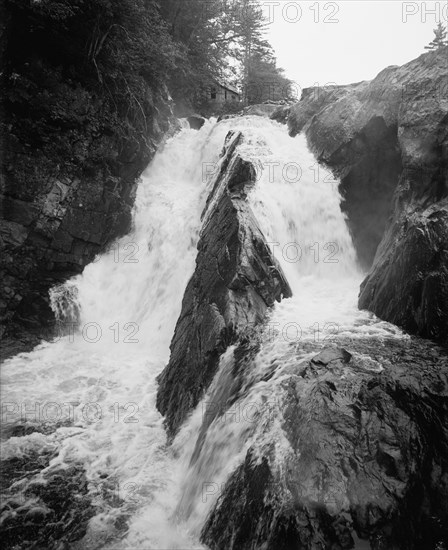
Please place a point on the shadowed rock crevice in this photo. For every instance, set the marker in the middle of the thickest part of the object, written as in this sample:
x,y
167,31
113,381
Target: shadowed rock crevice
x,y
235,281
369,167
368,188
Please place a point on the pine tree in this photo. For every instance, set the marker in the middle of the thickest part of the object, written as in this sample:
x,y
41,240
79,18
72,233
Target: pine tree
x,y
439,38
222,40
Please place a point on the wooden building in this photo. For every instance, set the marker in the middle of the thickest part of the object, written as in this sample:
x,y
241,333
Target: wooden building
x,y
219,93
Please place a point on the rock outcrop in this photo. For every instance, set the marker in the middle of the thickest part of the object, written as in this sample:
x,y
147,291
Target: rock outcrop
x,y
260,109
196,121
388,142
73,145
235,281
364,457
50,231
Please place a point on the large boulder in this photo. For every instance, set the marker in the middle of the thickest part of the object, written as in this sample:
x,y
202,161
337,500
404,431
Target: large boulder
x,y
260,109
353,455
196,121
235,281
388,142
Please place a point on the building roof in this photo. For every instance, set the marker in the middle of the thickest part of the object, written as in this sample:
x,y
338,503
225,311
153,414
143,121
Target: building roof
x,y
228,86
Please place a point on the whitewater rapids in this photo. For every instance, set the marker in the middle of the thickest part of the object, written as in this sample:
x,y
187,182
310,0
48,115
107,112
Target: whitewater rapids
x,y
97,384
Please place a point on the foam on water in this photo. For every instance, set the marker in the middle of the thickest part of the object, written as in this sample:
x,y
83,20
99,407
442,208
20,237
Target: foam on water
x,y
297,206
128,302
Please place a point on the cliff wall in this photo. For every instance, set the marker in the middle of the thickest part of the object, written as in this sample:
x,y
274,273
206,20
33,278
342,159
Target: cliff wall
x,y
388,142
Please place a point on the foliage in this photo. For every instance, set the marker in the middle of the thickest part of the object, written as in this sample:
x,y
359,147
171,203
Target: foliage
x,y
264,80
85,82
223,40
439,40
83,79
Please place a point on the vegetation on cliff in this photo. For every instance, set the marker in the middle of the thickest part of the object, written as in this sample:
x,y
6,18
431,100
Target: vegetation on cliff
x,y
224,40
85,105
87,100
78,70
439,40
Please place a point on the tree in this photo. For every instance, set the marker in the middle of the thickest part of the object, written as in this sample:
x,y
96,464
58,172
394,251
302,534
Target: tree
x,y
265,81
76,70
207,31
439,39
222,40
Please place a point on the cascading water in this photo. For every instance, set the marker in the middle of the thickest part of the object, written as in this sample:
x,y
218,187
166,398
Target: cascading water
x,y
297,205
96,384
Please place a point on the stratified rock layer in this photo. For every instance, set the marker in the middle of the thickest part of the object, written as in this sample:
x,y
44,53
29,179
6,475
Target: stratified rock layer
x,y
235,281
388,142
364,454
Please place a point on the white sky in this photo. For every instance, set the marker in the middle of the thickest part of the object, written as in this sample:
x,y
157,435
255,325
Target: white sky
x,y
366,37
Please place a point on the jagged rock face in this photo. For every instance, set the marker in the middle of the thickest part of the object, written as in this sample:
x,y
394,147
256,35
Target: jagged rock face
x,y
409,280
54,226
366,458
50,233
236,279
69,167
388,142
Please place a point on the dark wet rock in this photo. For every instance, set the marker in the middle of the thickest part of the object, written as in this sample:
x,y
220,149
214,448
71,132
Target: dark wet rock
x,y
281,114
18,468
11,428
408,283
228,116
388,142
236,280
327,356
363,463
52,232
261,109
37,514
196,121
51,512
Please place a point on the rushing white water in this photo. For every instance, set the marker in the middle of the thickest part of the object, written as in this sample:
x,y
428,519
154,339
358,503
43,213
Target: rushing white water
x,y
102,379
297,205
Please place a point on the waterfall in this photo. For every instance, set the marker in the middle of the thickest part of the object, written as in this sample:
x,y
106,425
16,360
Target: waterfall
x,y
297,205
101,373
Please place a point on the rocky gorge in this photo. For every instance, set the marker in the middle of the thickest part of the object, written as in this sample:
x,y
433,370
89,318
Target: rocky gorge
x,y
349,450
347,442
361,459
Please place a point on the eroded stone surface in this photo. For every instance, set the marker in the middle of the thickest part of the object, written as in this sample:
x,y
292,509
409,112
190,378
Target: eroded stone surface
x,y
366,459
236,279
